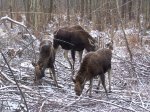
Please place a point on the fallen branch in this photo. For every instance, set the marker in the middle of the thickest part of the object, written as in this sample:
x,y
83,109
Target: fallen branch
x,y
16,82
42,106
102,101
13,86
141,106
62,110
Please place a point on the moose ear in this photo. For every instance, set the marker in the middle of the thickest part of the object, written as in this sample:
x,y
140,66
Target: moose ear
x,y
34,64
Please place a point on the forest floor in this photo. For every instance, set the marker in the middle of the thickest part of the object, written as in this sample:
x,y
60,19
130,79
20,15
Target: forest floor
x,y
130,93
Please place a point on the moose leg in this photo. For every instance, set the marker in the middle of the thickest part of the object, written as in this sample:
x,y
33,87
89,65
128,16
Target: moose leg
x,y
90,87
98,83
109,78
103,82
51,74
42,72
54,75
66,56
73,58
80,56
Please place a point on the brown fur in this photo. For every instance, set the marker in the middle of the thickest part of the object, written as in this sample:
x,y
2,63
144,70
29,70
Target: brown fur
x,y
46,60
94,63
75,39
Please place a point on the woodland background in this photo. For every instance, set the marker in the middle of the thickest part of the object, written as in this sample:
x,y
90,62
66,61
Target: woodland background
x,y
24,22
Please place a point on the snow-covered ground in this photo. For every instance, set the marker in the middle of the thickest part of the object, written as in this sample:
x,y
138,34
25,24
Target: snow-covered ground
x,y
129,93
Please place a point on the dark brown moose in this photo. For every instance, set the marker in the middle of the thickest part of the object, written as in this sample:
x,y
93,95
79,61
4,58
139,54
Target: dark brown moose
x,y
46,60
94,64
73,38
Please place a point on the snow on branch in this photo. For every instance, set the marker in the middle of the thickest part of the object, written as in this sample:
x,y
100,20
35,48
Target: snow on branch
x,y
13,21
22,95
7,77
6,18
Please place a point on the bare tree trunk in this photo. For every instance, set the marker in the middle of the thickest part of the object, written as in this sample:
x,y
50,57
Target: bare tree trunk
x,y
11,10
36,18
86,7
130,9
98,16
68,13
138,23
127,44
108,18
138,13
90,9
1,8
147,12
27,10
50,9
123,9
82,9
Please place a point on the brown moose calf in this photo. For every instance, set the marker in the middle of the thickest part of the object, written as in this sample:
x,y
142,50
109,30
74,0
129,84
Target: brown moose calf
x,y
94,64
46,60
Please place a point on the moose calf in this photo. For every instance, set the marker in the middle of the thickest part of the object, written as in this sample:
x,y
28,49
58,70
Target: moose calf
x,y
46,60
94,64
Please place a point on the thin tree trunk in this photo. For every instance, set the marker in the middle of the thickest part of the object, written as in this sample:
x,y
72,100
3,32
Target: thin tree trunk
x,y
27,10
11,10
82,9
50,9
90,9
123,9
36,18
127,44
130,9
68,13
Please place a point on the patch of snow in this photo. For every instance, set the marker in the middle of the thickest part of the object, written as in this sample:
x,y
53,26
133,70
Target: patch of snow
x,y
2,33
16,70
27,64
127,31
23,18
13,105
95,33
147,48
148,32
130,31
119,53
28,35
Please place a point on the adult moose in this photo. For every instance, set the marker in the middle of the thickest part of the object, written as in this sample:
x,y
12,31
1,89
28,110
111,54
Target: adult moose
x,y
46,60
73,38
94,64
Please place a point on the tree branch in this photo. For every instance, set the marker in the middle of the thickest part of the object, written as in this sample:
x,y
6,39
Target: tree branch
x,y
16,82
